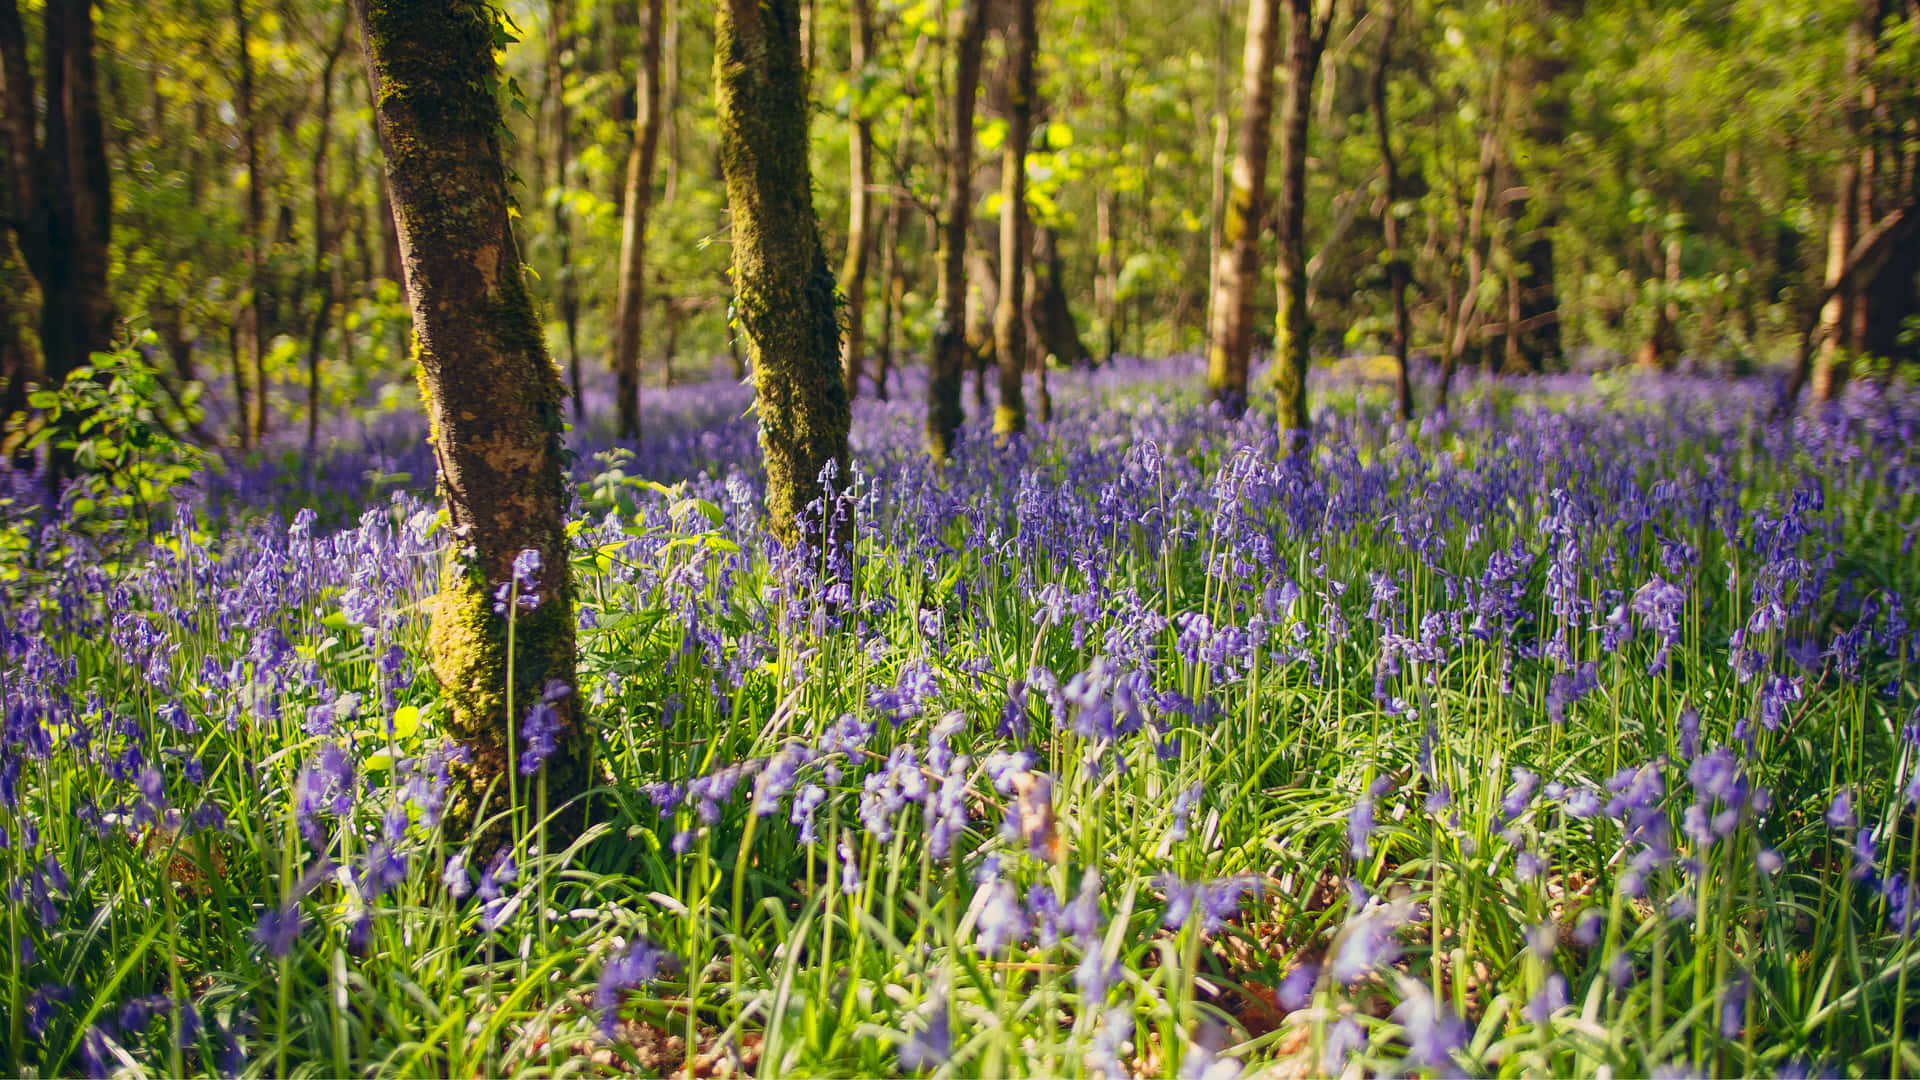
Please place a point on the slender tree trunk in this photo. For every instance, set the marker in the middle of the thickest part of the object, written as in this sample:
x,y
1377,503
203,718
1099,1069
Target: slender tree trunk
x,y
1398,270
783,287
1217,170
950,338
1292,329
893,280
853,272
1237,268
1466,316
62,187
983,290
493,399
670,76
1541,111
1830,370
321,285
256,231
559,44
1009,319
631,300
1053,322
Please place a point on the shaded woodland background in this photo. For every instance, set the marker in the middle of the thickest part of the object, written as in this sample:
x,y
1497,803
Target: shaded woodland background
x,y
1563,181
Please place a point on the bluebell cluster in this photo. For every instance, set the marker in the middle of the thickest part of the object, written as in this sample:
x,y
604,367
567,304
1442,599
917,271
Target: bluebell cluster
x,y
1540,704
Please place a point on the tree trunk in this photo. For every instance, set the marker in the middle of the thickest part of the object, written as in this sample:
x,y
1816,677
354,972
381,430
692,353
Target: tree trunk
x,y
1237,270
493,397
1052,313
1217,167
950,339
559,44
631,300
783,288
61,185
853,273
983,290
256,425
1466,313
1292,329
893,279
1830,370
1541,108
321,285
1866,258
1009,317
1398,270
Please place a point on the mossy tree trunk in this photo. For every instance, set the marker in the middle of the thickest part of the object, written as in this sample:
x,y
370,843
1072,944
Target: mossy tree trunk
x,y
1306,41
1230,339
784,292
1009,317
494,397
631,296
853,272
1399,272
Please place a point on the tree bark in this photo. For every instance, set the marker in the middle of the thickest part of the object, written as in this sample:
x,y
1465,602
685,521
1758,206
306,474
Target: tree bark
x,y
1053,318
893,279
1466,314
253,426
1237,269
1292,328
783,287
1541,108
1398,270
1865,259
630,304
853,272
950,338
1009,318
1830,370
59,189
559,43
321,284
493,397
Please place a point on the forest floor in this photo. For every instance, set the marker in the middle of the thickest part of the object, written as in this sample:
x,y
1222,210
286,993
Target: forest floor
x,y
1573,733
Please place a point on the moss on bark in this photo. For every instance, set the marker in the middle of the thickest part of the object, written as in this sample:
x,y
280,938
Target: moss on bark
x,y
783,288
492,395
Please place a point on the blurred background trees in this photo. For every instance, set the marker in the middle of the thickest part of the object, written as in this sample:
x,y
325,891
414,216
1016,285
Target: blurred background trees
x,y
1571,180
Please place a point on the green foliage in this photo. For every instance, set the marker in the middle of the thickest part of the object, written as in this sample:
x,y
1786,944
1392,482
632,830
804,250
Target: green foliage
x,y
108,421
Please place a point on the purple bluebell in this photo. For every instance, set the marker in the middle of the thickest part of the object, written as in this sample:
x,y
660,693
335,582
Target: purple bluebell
x,y
639,963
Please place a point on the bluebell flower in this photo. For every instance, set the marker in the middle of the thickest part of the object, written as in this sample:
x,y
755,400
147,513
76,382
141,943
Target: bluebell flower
x,y
930,1046
325,787
849,869
1840,811
641,962
1002,922
455,878
1344,1037
541,731
1360,826
1733,1006
1551,999
279,928
1094,975
1296,989
1433,1033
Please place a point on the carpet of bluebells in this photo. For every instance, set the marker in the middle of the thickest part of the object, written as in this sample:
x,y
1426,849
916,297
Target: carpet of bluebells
x,y
1572,734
